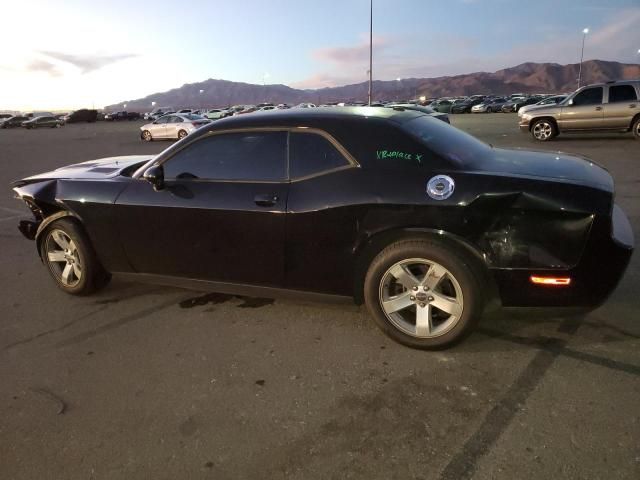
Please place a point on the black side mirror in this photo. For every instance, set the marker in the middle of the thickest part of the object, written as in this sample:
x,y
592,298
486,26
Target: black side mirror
x,y
155,176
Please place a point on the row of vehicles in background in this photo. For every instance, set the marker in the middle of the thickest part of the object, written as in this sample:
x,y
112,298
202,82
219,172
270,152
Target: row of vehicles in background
x,y
177,125
493,103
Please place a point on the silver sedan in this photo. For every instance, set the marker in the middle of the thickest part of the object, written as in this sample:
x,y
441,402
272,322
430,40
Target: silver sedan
x,y
174,126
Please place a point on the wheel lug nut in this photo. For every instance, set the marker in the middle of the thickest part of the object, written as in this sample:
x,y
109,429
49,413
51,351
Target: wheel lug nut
x,y
412,298
415,289
431,299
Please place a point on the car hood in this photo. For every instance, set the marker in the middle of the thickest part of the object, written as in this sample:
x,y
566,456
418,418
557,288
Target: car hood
x,y
102,168
545,109
556,166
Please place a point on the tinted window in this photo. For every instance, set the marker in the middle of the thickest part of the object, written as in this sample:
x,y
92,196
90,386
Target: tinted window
x,y
447,142
232,156
622,93
175,120
162,120
590,96
310,153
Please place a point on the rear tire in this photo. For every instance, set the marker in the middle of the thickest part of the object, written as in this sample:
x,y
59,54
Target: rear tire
x,y
69,256
182,134
146,136
424,294
636,128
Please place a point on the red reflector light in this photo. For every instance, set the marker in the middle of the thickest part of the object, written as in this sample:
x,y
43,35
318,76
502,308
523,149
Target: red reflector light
x,y
552,281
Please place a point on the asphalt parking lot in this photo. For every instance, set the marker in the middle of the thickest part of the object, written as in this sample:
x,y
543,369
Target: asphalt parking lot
x,y
151,382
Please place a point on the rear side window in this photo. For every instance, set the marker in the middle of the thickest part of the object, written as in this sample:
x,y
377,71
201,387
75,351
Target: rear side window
x,y
310,153
590,96
250,156
622,93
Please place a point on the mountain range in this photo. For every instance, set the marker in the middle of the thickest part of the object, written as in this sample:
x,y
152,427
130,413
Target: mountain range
x,y
526,78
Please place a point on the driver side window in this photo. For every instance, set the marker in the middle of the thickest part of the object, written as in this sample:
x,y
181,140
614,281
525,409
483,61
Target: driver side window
x,y
589,96
250,156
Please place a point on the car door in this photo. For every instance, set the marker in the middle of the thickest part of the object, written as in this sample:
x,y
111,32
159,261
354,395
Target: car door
x,y
321,222
172,126
158,128
220,216
584,111
621,106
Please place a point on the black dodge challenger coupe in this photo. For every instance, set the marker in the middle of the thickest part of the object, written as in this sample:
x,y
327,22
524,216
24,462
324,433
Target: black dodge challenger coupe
x,y
422,222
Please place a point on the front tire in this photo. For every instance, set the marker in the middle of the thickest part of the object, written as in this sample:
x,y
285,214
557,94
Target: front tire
x,y
423,294
636,129
544,130
182,134
146,136
67,252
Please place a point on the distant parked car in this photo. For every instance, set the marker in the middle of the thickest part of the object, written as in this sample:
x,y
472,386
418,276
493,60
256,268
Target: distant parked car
x,y
118,116
248,109
185,110
602,107
517,103
442,106
39,122
5,116
216,113
419,108
465,106
306,105
12,122
175,126
82,115
553,100
489,105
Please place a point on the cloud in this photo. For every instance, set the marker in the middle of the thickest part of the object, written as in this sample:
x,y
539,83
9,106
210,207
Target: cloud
x,y
399,57
356,53
44,66
88,63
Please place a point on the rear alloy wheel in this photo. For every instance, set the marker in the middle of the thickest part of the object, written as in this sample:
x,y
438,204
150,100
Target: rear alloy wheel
x,y
543,130
636,128
71,261
182,134
423,294
146,136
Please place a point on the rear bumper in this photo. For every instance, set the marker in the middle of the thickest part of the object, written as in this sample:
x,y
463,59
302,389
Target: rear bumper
x,y
602,265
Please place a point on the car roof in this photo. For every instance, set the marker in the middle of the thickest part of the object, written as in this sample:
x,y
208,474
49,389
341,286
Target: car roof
x,y
299,116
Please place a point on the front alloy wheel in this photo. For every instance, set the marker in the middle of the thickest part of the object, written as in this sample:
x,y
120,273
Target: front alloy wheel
x,y
63,258
69,256
543,130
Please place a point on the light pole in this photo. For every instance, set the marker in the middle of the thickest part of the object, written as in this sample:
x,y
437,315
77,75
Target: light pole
x,y
399,85
584,35
370,51
200,92
265,76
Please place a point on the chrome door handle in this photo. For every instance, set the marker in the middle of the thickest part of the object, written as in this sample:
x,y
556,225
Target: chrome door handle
x,y
633,105
598,108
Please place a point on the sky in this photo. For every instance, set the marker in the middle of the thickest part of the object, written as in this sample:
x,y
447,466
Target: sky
x,y
68,54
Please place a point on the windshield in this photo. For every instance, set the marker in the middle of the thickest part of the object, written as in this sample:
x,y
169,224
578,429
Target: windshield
x,y
456,146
